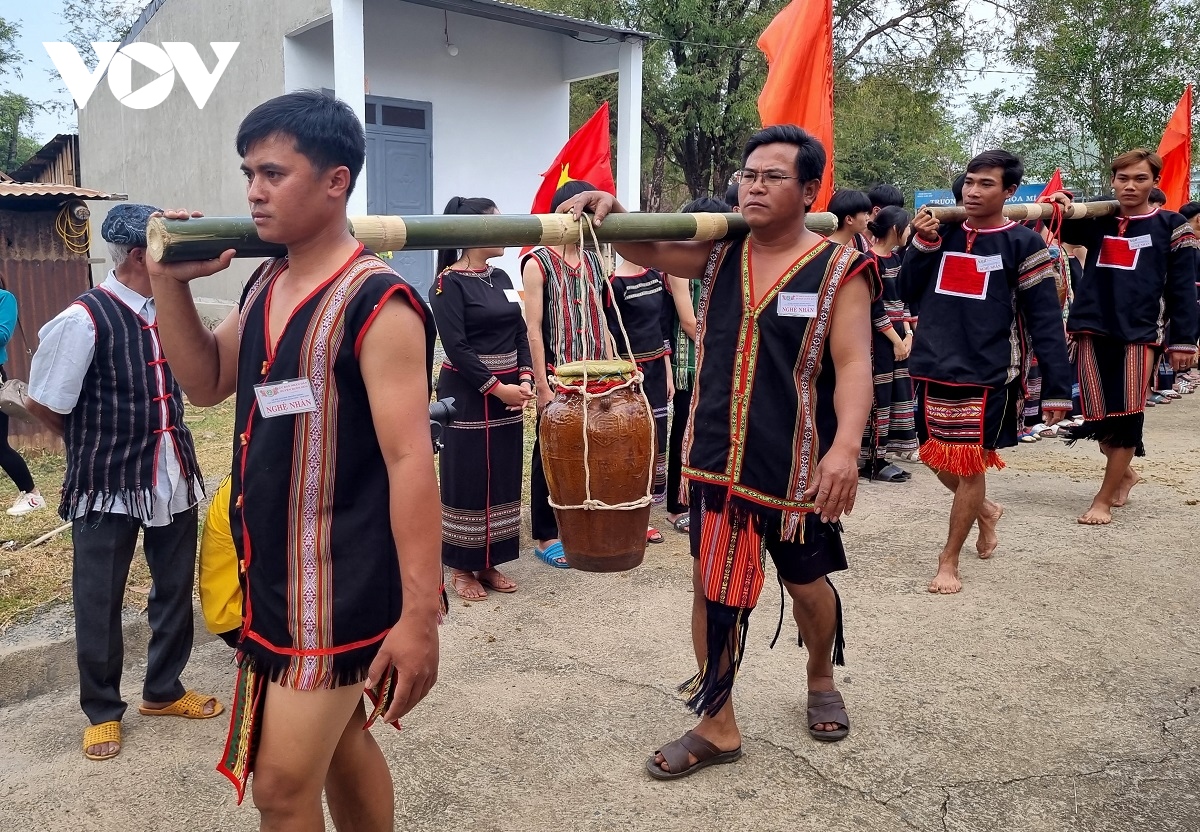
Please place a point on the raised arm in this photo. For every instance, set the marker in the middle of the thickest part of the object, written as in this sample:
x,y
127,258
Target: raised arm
x,y
203,362
393,364
920,261
1181,297
685,259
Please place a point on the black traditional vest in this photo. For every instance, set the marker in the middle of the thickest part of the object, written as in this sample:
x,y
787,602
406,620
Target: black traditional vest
x,y
112,433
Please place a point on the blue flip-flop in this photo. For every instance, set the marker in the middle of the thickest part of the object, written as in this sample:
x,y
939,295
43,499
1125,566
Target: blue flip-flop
x,y
552,555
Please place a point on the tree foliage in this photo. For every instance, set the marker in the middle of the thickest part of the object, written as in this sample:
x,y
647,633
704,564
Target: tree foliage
x,y
16,111
885,130
98,21
1106,76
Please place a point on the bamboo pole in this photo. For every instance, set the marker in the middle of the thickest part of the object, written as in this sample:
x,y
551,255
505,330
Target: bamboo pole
x,y
206,237
1033,211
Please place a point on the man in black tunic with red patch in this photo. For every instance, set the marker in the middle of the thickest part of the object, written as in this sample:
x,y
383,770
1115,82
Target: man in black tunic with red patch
x,y
783,389
1140,275
986,291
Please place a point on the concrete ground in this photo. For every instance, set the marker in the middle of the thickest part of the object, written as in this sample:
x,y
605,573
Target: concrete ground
x,y
1059,691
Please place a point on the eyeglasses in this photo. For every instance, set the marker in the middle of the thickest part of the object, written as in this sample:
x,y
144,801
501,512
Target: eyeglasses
x,y
770,178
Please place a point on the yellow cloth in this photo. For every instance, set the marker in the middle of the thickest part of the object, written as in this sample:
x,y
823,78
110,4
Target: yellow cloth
x,y
220,586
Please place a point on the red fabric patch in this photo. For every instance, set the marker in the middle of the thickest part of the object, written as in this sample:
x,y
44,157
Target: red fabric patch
x,y
1115,253
960,275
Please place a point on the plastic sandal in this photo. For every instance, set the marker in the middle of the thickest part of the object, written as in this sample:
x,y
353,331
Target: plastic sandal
x,y
653,535
100,734
552,555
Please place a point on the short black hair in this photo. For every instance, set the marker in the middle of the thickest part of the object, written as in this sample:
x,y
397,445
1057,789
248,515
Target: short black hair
x,y
884,195
325,130
569,189
810,155
846,202
731,195
1013,167
1190,209
889,217
447,257
1158,196
705,205
956,188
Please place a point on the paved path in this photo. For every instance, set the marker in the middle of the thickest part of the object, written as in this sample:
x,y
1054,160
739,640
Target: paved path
x,y
1057,692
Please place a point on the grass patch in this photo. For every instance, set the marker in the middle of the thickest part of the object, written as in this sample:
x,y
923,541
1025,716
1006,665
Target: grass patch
x,y
31,578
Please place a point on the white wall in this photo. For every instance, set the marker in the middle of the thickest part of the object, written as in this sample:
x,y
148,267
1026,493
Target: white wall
x,y
501,109
176,155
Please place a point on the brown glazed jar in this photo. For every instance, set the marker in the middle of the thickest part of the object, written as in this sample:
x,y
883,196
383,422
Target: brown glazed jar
x,y
620,455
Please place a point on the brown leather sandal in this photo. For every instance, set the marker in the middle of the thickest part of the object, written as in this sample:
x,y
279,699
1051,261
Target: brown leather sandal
x,y
676,753
827,706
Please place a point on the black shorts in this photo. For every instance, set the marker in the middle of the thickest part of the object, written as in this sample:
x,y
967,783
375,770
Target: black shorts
x,y
820,554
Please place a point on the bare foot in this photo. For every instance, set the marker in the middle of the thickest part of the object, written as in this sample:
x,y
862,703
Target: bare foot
x,y
725,738
946,581
1098,515
987,542
1127,483
104,749
467,586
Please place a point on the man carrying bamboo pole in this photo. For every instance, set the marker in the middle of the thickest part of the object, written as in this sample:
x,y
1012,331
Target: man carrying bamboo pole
x,y
1139,276
783,389
334,504
984,286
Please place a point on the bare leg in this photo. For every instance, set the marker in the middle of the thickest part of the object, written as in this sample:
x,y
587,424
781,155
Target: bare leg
x,y
1116,472
1130,479
969,498
359,785
989,517
814,607
721,730
300,733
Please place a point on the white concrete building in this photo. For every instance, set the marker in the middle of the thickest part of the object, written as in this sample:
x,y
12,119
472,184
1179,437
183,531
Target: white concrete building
x,y
459,97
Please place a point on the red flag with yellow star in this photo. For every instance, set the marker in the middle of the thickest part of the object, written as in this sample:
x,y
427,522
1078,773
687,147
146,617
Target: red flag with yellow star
x,y
587,156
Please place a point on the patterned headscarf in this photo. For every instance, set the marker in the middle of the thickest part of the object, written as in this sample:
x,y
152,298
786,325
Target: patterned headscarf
x,y
125,224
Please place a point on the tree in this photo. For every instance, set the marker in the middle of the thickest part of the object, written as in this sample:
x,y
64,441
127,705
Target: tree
x,y
886,130
1106,76
98,21
16,111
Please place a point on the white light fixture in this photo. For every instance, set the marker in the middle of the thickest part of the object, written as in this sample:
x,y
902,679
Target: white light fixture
x,y
450,47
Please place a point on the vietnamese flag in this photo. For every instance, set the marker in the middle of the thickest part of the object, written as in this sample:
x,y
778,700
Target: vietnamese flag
x,y
1053,186
1176,152
586,156
798,45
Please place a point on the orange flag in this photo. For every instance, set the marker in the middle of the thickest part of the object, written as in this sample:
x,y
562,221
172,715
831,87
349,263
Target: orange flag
x,y
1053,186
1176,152
798,44
587,156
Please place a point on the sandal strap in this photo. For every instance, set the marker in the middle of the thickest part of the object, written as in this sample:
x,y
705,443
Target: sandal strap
x,y
676,752
101,733
827,706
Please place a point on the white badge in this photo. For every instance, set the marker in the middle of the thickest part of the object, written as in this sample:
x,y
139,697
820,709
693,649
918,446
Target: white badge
x,y
995,263
513,295
1140,242
285,397
797,304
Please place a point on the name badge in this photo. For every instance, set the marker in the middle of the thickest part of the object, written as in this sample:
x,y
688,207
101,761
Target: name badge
x,y
994,263
512,295
1142,241
797,304
283,398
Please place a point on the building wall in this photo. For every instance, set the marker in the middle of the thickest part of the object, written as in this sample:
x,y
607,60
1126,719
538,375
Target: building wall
x,y
175,155
45,277
500,107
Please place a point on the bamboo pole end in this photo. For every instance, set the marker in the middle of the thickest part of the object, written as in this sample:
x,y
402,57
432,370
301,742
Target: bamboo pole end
x,y
157,238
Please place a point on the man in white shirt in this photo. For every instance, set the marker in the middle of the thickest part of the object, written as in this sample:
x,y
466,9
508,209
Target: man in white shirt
x,y
99,378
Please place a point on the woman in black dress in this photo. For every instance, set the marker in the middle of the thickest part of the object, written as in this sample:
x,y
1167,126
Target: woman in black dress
x,y
489,375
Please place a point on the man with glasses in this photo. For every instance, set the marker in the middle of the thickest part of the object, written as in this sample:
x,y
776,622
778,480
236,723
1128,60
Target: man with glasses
x,y
783,389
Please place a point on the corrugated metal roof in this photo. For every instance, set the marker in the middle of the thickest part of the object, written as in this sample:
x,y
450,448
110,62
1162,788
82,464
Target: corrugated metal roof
x,y
491,9
43,190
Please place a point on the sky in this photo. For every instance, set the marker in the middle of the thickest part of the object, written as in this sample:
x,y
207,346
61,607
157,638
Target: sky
x,y
38,22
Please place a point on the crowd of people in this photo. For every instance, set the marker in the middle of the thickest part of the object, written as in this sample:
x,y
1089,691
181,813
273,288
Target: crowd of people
x,y
781,367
